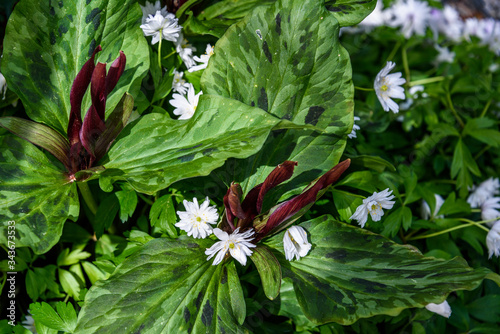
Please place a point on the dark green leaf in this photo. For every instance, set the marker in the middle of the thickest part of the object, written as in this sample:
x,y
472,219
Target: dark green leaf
x,y
35,194
106,213
269,270
351,273
127,200
48,44
346,203
168,286
286,59
163,216
350,12
486,308
370,161
238,304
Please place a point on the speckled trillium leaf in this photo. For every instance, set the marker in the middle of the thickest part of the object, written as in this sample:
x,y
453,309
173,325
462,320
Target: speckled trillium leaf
x,y
47,42
156,150
166,287
33,193
351,273
350,12
286,59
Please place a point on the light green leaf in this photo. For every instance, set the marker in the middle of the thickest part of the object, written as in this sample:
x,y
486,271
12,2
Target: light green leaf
x,y
48,42
35,194
70,283
166,287
346,203
66,258
350,12
162,215
64,321
156,151
351,273
93,272
286,59
269,270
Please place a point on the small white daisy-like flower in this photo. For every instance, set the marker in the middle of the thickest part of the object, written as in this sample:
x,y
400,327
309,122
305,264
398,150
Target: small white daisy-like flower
x,y
444,55
373,205
387,86
185,51
426,210
179,85
185,107
489,210
159,26
411,16
484,191
237,244
203,60
150,8
493,240
3,85
29,323
197,218
354,128
442,309
295,243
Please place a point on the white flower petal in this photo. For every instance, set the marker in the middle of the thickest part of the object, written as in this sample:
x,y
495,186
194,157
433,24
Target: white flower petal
x,y
442,309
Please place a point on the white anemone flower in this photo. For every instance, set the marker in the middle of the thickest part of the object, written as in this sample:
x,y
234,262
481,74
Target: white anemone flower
x,y
159,26
203,60
3,85
411,15
237,244
185,107
179,85
185,51
444,55
484,191
493,240
426,210
442,309
354,128
150,8
489,210
387,86
295,243
373,205
197,218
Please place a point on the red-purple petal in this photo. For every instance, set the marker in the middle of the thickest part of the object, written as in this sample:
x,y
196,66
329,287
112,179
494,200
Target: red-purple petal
x,y
78,89
97,89
115,72
280,174
294,205
92,128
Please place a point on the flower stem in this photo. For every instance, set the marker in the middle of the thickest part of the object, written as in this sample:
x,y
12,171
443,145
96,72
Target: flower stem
x,y
426,81
405,64
364,89
452,108
159,52
469,223
87,196
394,50
486,108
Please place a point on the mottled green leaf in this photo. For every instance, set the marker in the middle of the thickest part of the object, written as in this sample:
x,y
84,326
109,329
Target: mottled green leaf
x,y
35,194
156,150
269,270
286,59
351,273
166,287
350,12
238,304
47,42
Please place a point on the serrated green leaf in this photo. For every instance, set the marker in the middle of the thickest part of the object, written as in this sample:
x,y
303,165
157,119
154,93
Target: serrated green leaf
x,y
462,160
47,316
350,12
34,286
93,272
106,213
269,270
49,42
163,216
127,200
69,283
67,258
35,194
169,287
68,315
351,273
286,59
156,151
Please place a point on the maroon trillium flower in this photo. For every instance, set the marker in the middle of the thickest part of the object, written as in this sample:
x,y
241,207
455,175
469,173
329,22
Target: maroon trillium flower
x,y
247,214
88,139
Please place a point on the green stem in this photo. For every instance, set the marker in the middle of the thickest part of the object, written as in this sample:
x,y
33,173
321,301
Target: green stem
x,y
364,89
145,199
170,54
486,108
426,81
348,194
405,64
394,50
159,52
87,196
469,223
480,153
450,104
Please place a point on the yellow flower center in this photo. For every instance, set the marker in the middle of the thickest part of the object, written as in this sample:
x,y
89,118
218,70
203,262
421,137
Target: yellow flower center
x,y
198,219
384,88
231,245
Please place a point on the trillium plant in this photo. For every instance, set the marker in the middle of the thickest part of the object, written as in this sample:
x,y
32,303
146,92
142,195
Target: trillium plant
x,y
237,166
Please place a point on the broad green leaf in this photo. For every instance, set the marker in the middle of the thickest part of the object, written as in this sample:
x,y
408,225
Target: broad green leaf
x,y
128,202
163,216
350,12
238,304
346,203
351,273
358,180
286,59
486,308
289,306
35,194
46,315
48,42
166,287
106,213
156,151
269,270
371,161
